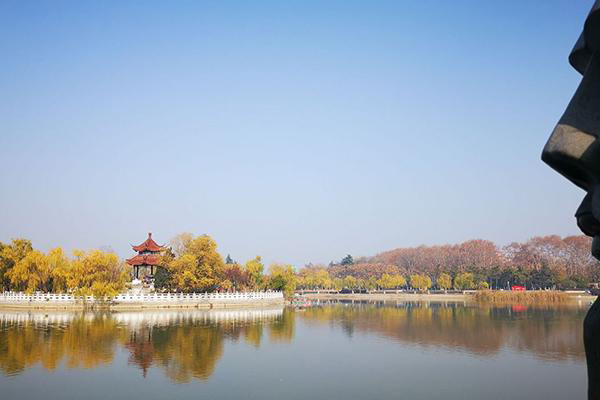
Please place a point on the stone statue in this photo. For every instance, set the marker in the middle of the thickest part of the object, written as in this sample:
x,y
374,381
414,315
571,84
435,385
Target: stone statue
x,y
574,151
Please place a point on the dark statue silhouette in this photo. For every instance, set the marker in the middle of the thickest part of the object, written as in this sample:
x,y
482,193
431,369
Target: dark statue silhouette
x,y
574,151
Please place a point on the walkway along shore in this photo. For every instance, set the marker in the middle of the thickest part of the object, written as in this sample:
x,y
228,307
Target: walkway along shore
x,y
12,300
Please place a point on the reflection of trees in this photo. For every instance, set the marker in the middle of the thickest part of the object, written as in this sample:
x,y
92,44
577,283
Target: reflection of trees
x,y
82,343
282,329
550,333
186,346
189,351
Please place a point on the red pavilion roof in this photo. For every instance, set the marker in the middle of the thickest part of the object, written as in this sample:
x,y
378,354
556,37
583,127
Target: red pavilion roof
x,y
148,245
145,259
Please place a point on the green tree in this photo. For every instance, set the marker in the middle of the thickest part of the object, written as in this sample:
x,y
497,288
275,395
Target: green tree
x,y
282,277
348,260
162,274
162,278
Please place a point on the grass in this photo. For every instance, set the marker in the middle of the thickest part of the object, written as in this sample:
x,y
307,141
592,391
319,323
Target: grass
x,y
527,297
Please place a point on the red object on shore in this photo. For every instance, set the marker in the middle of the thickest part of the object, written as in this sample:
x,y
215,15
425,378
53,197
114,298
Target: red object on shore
x,y
517,288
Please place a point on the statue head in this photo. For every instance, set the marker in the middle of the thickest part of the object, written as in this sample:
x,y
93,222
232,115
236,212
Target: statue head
x,y
574,146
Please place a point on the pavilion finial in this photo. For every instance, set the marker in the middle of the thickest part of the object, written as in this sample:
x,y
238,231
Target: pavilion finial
x,y
149,235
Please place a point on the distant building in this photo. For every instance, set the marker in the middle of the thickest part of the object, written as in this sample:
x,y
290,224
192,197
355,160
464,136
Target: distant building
x,y
147,258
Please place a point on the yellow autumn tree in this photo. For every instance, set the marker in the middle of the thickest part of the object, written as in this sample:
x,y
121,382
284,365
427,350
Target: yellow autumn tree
x,y
60,268
32,273
444,281
388,281
420,282
197,267
96,273
10,254
255,269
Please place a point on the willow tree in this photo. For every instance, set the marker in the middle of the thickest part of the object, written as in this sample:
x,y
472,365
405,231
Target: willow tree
x,y
10,255
96,273
32,273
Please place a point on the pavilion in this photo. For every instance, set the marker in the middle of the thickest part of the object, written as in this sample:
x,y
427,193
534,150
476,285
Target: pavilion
x,y
147,258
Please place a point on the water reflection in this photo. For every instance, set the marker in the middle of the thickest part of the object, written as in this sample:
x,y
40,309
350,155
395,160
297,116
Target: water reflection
x,y
187,345
553,333
184,344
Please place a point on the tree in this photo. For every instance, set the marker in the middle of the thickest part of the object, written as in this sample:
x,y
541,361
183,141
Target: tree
x,y
391,281
198,266
348,260
399,281
180,243
371,283
314,277
10,254
420,282
96,273
40,272
162,275
32,273
237,276
350,282
444,281
255,268
338,283
464,281
282,277
60,268
162,278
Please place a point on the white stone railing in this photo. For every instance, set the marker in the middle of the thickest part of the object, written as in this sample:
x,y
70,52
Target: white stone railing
x,y
18,297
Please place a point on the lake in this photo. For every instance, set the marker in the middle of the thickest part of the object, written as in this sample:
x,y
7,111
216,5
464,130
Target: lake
x,y
332,351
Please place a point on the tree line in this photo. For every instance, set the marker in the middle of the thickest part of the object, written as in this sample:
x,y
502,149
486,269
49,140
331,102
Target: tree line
x,y
189,264
544,262
193,264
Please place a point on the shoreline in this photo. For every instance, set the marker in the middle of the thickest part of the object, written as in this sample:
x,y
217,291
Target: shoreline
x,y
441,297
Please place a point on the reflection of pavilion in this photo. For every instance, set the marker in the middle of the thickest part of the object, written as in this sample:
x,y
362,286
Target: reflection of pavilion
x,y
186,344
147,258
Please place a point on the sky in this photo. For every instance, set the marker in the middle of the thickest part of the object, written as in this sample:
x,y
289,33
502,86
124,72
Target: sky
x,y
300,131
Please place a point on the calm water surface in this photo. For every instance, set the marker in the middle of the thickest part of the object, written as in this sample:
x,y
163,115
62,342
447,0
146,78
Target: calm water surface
x,y
335,351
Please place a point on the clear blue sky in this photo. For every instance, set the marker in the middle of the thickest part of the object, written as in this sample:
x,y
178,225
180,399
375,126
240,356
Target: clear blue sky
x,y
299,131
